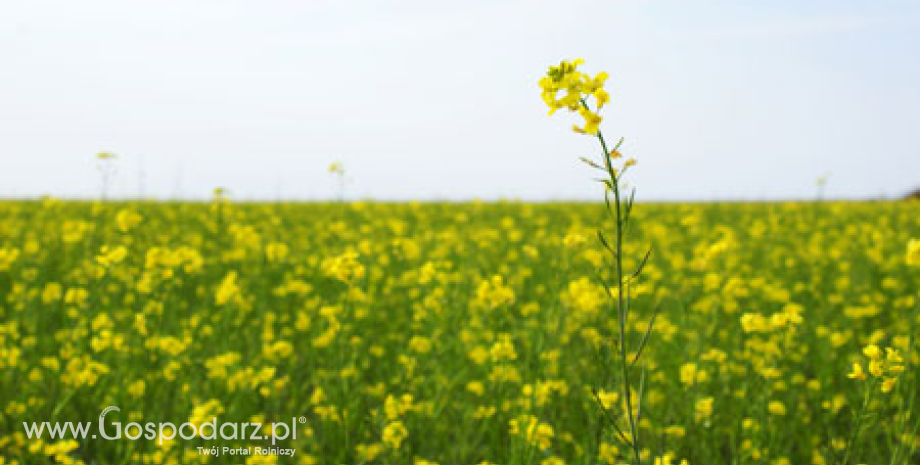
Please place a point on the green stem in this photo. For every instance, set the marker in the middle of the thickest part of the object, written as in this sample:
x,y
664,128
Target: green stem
x,y
857,430
621,308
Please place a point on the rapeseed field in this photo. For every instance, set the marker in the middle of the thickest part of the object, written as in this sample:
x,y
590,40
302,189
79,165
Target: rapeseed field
x,y
469,333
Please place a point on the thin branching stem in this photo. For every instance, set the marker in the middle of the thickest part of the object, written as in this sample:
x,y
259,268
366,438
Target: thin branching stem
x,y
621,297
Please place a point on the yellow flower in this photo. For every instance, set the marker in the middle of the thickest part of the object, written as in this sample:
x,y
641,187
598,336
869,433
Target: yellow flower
x,y
109,256
872,351
608,453
267,459
541,435
608,399
479,355
476,387
913,252
227,289
688,373
503,349
776,408
345,267
888,384
7,257
592,122
668,459
493,293
394,433
675,431
137,388
420,344
857,372
534,432
368,452
602,97
204,413
276,252
703,408
52,293
573,239
126,219
394,408
875,368
892,356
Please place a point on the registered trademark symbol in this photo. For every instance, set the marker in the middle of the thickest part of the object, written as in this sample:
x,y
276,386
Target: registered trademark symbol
x,y
302,420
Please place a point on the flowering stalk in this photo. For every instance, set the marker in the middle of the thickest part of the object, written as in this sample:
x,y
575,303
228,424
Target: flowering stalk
x,y
106,167
579,88
338,170
884,369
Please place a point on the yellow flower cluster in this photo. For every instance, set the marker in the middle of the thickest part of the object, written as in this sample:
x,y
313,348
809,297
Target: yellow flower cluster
x,y
7,257
532,430
564,86
344,267
886,366
204,413
913,252
493,293
394,433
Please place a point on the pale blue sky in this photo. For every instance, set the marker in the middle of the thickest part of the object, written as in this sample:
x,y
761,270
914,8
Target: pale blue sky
x,y
431,100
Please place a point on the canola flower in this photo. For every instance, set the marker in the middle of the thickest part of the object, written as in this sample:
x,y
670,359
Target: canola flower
x,y
575,88
884,367
345,267
394,434
913,252
887,366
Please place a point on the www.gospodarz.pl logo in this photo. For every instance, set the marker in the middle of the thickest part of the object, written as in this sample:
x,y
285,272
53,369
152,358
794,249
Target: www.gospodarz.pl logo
x,y
165,431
